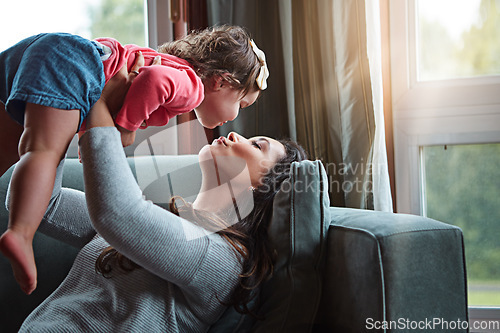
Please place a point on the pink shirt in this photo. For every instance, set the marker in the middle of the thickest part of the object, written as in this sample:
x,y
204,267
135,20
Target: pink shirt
x,y
159,92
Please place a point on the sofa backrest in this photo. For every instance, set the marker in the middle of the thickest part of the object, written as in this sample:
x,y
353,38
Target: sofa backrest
x,y
409,266
161,177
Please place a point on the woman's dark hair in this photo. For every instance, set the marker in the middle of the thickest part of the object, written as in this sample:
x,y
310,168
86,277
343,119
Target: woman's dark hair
x,y
216,51
248,237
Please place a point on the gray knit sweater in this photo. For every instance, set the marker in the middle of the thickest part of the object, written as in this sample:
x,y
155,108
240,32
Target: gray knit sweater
x,y
180,283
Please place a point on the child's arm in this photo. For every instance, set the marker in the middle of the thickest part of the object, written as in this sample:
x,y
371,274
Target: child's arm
x,y
164,90
128,136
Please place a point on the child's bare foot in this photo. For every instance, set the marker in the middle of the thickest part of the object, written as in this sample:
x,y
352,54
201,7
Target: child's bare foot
x,y
19,251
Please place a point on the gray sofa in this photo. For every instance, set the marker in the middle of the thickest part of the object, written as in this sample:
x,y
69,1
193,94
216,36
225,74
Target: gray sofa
x,y
337,269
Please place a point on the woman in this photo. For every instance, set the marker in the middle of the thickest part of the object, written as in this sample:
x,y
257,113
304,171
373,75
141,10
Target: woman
x,y
140,269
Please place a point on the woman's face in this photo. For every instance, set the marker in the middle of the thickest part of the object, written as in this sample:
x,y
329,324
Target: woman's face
x,y
233,152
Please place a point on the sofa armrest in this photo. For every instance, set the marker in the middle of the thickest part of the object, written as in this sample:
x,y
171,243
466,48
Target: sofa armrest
x,y
385,268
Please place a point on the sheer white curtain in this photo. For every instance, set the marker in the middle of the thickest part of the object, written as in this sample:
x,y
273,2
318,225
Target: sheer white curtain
x,y
333,61
381,183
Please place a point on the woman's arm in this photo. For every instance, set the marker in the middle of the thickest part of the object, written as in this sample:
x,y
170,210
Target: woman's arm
x,y
145,233
150,236
67,218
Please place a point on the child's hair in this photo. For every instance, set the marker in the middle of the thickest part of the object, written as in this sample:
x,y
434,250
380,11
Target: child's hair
x,y
219,50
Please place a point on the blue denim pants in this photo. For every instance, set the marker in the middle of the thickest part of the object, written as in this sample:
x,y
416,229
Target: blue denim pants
x,y
56,69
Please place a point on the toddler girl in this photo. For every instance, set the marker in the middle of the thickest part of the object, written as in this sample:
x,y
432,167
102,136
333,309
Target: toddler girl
x,y
49,82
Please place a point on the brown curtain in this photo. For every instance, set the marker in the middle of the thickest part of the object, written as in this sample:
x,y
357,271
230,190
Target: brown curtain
x,y
269,115
333,101
324,84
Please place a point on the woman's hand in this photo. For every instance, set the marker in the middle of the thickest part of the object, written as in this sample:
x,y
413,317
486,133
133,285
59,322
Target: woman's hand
x,y
128,137
116,89
113,94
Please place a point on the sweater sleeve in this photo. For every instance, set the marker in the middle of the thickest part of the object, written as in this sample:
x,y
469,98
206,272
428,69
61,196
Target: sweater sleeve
x,y
150,236
66,218
163,90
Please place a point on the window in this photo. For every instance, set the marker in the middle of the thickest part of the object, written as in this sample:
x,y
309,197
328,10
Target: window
x,y
462,186
141,22
457,38
123,20
444,96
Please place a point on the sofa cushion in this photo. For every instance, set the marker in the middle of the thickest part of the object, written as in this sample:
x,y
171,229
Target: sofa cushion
x,y
290,299
298,233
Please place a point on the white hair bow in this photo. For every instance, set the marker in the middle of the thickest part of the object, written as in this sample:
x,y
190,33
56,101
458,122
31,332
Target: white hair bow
x,y
264,71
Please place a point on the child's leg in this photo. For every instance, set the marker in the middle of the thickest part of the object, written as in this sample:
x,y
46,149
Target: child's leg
x,y
47,134
10,133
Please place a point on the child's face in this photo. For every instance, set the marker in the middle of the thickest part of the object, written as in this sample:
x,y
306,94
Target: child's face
x,y
223,103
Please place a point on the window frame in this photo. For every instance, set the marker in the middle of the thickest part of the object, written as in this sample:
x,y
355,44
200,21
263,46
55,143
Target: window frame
x,y
159,28
455,111
443,112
